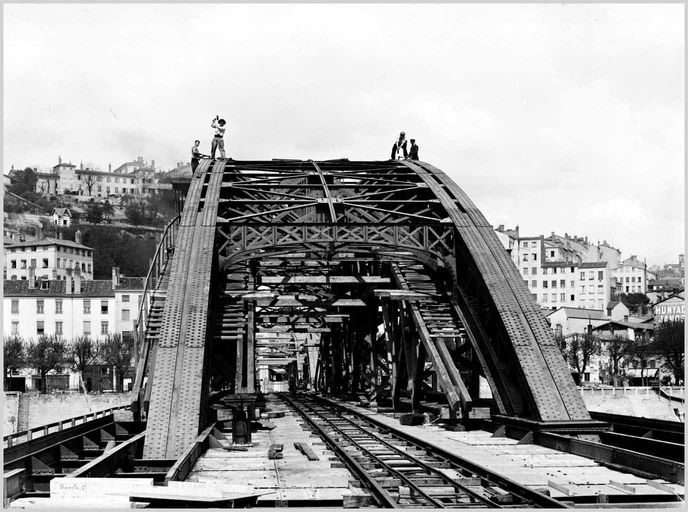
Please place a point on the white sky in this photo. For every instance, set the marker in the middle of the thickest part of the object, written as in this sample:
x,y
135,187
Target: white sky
x,y
565,118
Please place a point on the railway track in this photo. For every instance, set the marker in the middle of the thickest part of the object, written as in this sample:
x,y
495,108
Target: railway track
x,y
402,474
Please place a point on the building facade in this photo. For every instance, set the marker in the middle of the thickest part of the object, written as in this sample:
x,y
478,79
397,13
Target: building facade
x,y
48,259
71,307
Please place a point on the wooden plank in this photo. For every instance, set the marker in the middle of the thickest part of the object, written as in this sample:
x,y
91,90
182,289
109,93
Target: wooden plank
x,y
267,280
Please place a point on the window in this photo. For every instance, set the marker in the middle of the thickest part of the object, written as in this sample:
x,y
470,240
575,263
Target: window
x,y
33,262
551,253
533,244
525,244
591,275
15,306
58,306
533,284
14,263
544,284
525,257
582,289
87,306
103,307
23,263
104,370
40,308
573,283
638,279
600,288
125,298
554,297
15,328
544,271
573,269
591,289
582,303
533,270
562,283
534,256
586,376
627,290
58,328
40,327
125,315
562,297
582,276
573,297
600,275
525,271
103,327
554,283
632,279
87,327
544,298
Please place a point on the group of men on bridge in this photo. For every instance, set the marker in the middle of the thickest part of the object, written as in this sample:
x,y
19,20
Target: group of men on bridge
x,y
398,149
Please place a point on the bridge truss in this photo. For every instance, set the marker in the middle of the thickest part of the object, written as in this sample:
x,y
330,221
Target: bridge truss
x,y
379,277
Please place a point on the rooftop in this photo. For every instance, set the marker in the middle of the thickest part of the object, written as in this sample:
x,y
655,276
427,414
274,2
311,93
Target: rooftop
x,y
593,314
48,241
593,264
57,288
643,326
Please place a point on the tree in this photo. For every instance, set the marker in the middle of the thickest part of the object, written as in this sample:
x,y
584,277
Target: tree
x,y
13,355
90,181
616,349
94,213
669,345
135,213
23,182
639,352
108,211
81,354
118,352
635,302
44,355
578,351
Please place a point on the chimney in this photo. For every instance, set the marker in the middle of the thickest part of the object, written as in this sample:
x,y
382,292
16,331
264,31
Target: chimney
x,y
32,278
77,237
115,277
109,167
60,236
68,281
77,280
59,160
153,164
39,233
501,228
81,165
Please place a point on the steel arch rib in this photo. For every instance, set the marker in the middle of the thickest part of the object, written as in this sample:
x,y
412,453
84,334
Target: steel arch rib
x,y
549,382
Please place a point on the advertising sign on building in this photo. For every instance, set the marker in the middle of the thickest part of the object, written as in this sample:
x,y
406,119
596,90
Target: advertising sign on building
x,y
673,308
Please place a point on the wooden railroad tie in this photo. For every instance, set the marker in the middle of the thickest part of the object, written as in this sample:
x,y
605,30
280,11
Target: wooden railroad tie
x,y
306,449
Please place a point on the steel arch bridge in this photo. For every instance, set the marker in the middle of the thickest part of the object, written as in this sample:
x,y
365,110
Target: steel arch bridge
x,y
382,274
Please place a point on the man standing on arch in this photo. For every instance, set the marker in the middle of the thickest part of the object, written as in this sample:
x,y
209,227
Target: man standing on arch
x,y
399,145
218,139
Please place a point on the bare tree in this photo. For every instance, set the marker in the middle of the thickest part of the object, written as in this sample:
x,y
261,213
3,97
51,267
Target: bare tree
x,y
639,352
81,354
118,352
616,349
90,181
578,351
44,355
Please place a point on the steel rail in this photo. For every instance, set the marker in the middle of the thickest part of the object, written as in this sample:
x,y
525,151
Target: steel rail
x,y
383,497
538,499
415,460
392,471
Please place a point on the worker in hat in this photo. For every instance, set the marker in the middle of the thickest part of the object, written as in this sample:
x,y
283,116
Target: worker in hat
x,y
399,145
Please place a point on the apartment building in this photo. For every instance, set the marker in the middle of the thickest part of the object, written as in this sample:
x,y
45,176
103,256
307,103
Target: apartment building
x,y
632,275
48,258
71,307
